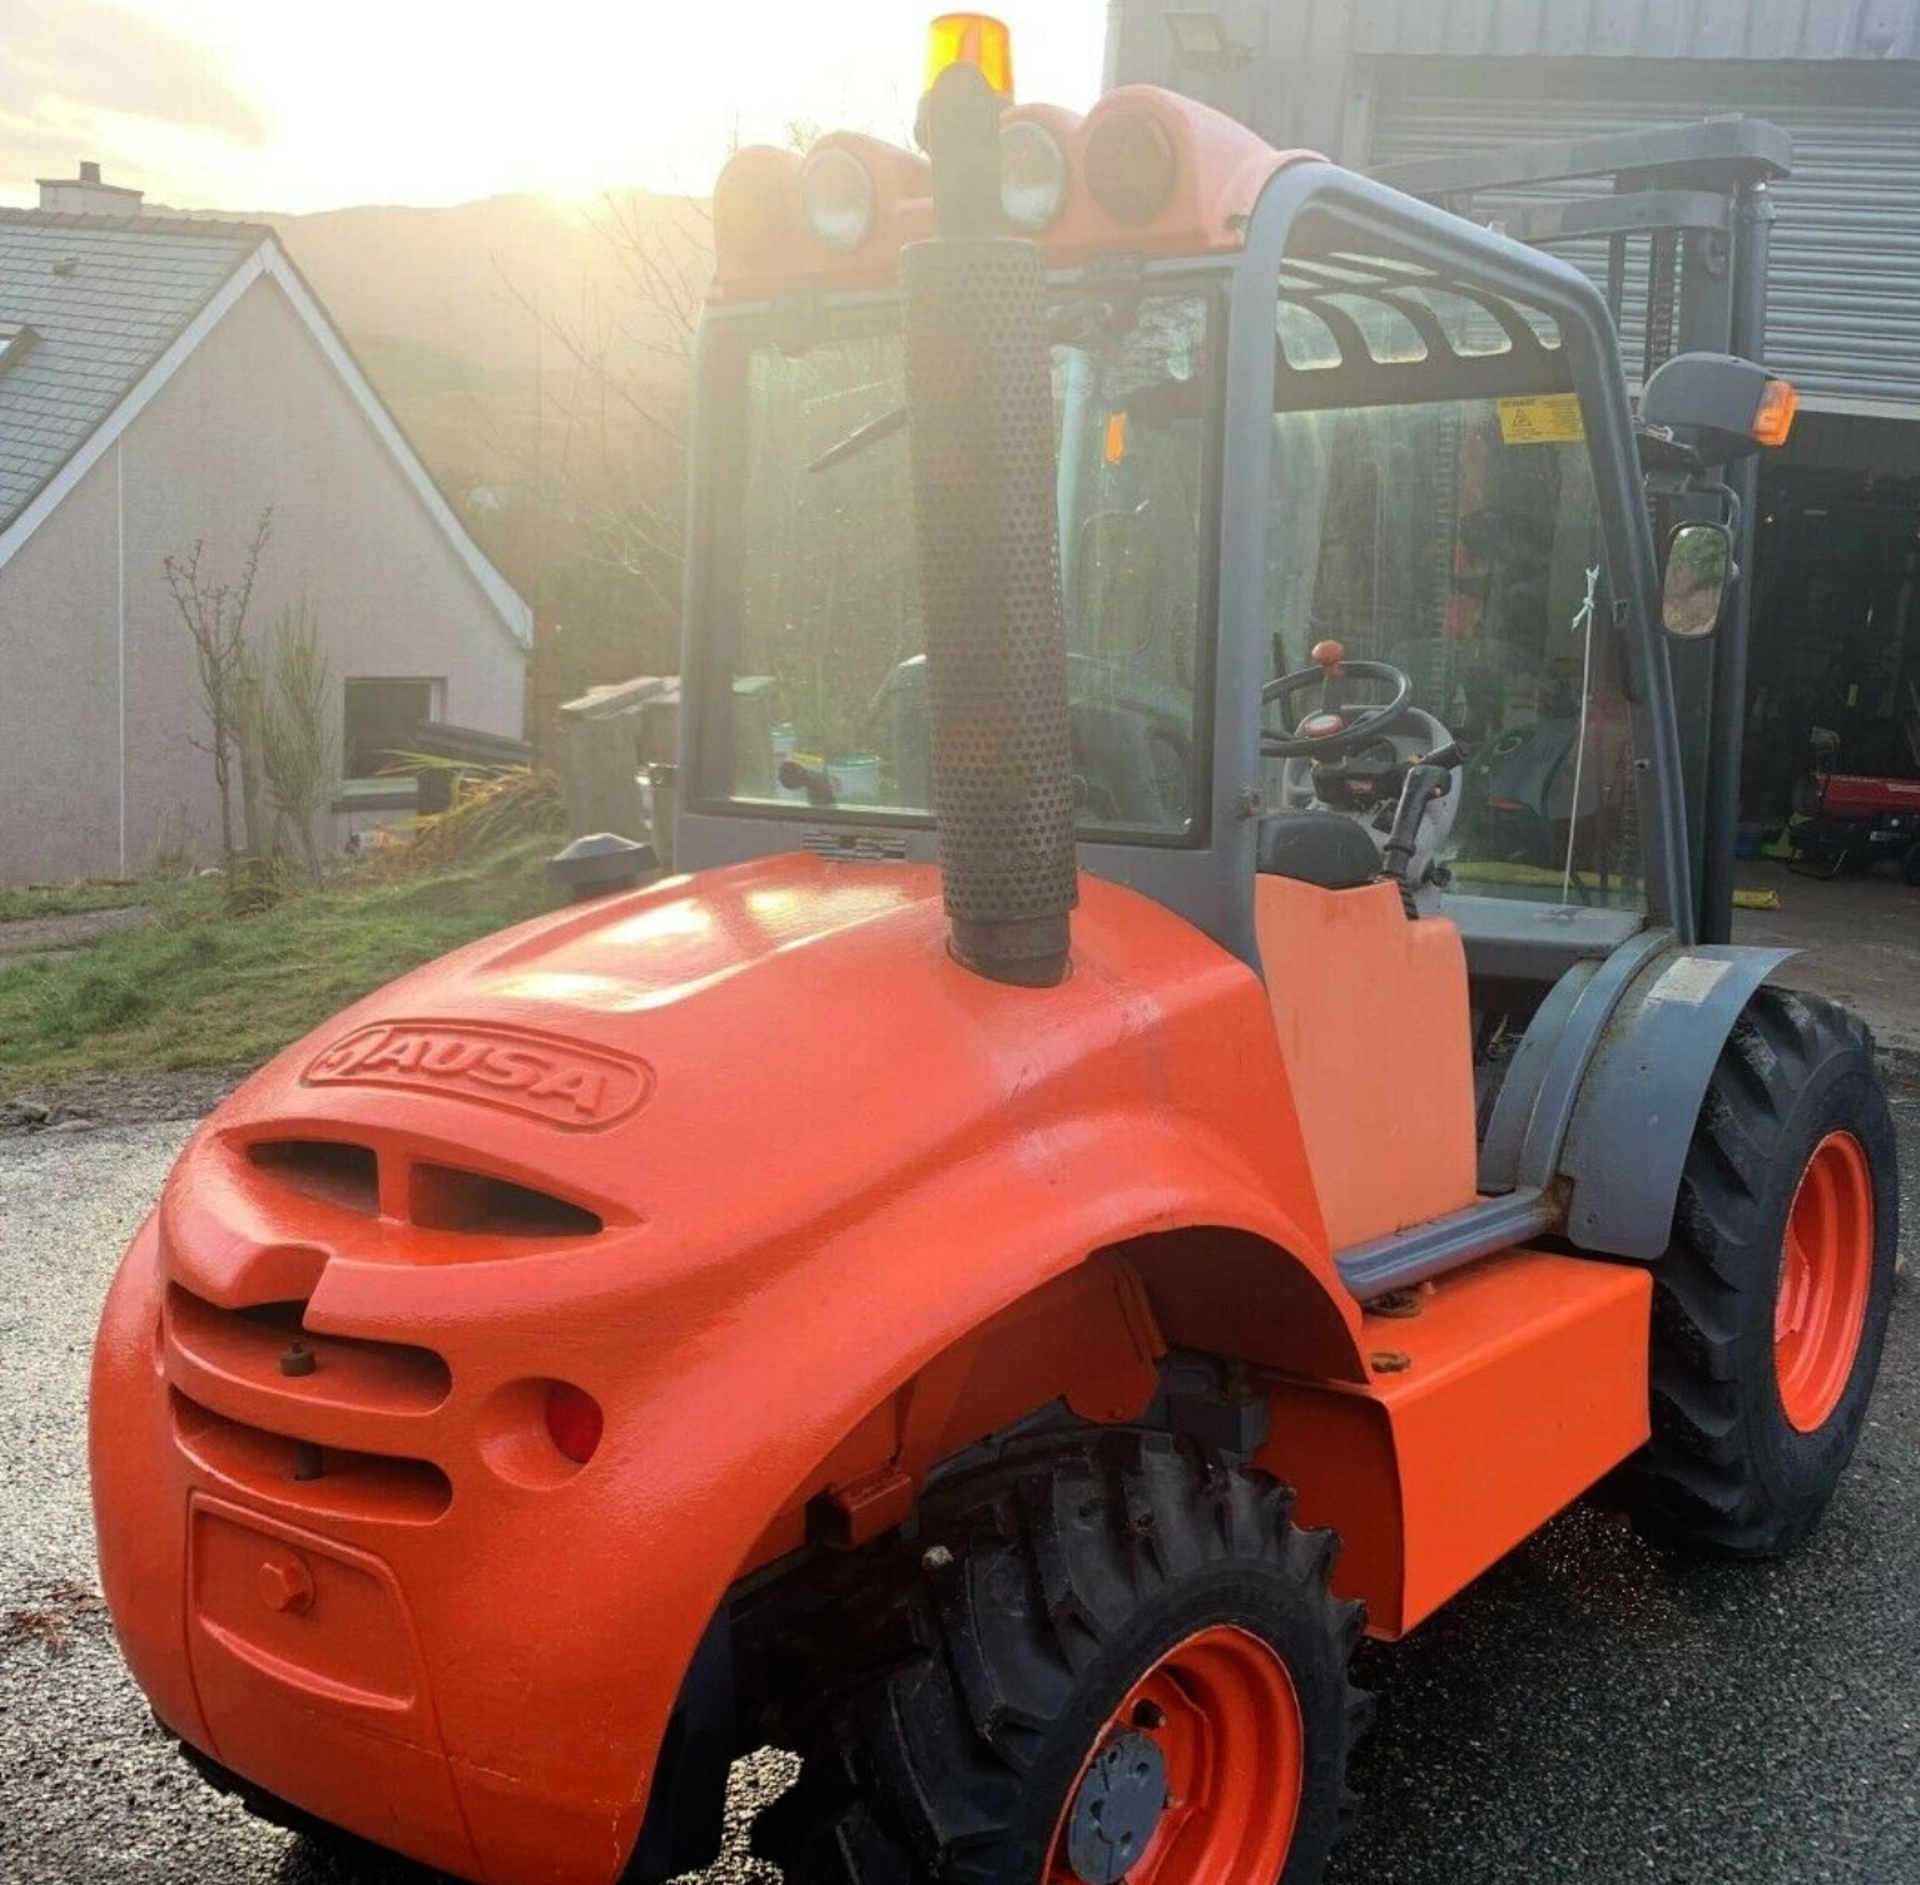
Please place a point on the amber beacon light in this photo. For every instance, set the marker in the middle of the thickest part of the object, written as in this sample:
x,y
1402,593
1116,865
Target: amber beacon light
x,y
975,39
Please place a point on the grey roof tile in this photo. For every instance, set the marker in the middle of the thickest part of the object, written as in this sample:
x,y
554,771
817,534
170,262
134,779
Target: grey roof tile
x,y
134,285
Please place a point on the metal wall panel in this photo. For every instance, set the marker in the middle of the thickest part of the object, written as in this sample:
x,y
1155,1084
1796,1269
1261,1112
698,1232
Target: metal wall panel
x,y
1844,300
1872,30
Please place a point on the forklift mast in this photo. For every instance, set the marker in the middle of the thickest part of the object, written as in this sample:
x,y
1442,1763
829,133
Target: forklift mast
x,y
1694,200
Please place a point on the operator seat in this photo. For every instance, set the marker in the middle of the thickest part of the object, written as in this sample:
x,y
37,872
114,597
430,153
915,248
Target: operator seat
x,y
1326,849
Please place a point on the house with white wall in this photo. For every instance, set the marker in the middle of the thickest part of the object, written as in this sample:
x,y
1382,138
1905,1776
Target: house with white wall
x,y
163,380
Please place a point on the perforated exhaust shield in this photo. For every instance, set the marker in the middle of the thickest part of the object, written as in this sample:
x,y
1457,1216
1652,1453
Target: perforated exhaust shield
x,y
979,389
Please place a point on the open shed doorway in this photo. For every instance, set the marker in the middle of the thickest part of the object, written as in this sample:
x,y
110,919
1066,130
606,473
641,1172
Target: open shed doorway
x,y
1836,624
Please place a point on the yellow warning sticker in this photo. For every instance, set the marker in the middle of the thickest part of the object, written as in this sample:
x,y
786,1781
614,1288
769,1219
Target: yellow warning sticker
x,y
1547,419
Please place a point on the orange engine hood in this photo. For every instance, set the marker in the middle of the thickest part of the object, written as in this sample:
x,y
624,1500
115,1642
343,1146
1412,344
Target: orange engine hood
x,y
798,1018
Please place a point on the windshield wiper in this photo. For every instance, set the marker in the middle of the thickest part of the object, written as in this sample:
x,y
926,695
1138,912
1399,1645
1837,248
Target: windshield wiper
x,y
861,437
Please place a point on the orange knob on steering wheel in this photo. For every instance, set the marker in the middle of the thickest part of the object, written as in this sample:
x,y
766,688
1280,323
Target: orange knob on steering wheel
x,y
1330,658
1333,731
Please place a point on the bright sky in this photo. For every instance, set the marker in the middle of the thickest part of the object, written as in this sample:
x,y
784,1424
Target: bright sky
x,y
272,105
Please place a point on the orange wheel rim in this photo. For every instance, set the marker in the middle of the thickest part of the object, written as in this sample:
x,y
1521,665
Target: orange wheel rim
x,y
1213,1729
1826,1272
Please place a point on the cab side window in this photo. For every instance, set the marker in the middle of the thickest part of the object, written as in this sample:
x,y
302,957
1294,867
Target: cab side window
x,y
1459,539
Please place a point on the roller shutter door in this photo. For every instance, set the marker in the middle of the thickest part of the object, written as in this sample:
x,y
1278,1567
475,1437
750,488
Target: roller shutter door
x,y
1844,301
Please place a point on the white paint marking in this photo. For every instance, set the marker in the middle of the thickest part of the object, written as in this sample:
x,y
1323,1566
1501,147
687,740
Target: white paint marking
x,y
1691,980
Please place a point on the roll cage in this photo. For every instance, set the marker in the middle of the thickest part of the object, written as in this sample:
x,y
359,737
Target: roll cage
x,y
1318,236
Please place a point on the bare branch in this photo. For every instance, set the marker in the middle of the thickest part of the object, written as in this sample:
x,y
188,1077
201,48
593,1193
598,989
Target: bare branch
x,y
215,617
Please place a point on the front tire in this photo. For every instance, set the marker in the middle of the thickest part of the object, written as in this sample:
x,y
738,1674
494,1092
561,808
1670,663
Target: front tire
x,y
1105,1660
1771,1303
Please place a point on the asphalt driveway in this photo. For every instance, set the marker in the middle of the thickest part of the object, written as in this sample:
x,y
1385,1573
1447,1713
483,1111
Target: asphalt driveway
x,y
1590,1714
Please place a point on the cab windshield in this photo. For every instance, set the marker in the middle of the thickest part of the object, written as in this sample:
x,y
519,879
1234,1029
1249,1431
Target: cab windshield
x,y
816,609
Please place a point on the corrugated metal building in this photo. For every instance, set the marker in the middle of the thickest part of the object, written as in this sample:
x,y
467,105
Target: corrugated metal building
x,y
1371,82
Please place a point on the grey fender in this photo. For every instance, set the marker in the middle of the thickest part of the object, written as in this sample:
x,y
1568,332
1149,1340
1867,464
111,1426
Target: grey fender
x,y
1645,1079
1520,1150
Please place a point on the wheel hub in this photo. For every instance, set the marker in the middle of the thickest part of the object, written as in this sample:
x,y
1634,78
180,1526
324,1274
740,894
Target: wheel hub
x,y
1118,1808
1196,1777
1826,1274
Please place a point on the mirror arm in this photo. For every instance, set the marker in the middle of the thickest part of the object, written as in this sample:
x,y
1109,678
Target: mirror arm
x,y
1736,516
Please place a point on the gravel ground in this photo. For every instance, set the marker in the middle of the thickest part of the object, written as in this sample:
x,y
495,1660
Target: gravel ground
x,y
1590,1714
81,1101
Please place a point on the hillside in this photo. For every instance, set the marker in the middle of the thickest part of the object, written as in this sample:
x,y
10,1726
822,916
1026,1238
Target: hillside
x,y
435,299
483,325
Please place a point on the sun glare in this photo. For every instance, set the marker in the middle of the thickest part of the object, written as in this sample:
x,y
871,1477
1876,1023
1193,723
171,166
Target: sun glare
x,y
415,101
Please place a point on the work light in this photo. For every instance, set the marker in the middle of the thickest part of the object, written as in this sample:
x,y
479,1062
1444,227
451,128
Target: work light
x,y
755,207
1772,423
836,191
1130,164
1201,40
1033,176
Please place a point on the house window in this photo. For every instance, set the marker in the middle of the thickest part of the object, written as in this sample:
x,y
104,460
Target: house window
x,y
382,722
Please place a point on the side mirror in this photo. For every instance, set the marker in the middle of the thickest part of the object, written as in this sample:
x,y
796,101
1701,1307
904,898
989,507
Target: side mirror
x,y
1699,568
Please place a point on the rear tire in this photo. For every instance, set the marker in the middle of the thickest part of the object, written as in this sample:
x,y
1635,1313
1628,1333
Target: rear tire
x,y
1067,1619
1771,1303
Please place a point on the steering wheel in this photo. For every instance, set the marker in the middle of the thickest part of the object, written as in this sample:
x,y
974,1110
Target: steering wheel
x,y
1333,729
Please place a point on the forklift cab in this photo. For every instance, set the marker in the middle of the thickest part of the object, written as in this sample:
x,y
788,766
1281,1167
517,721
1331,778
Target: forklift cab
x,y
1351,419
1368,424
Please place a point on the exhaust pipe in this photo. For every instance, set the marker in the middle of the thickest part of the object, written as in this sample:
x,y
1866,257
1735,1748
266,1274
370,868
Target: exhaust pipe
x,y
979,394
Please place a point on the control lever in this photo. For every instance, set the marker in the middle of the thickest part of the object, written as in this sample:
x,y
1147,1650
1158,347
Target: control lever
x,y
818,783
1425,783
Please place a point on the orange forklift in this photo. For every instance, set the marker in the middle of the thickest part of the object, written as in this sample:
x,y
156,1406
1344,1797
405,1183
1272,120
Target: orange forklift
x,y
1113,1172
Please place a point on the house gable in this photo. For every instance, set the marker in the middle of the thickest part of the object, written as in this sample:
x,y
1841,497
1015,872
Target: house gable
x,y
102,731
94,403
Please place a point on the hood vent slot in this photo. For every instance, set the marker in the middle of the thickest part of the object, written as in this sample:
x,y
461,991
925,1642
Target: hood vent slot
x,y
324,1169
266,1466
444,1198
437,1197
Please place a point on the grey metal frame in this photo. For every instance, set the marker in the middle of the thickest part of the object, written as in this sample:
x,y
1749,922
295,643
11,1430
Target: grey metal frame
x,y
1743,148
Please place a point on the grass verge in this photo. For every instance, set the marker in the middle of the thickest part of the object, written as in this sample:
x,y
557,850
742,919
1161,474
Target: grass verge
x,y
196,988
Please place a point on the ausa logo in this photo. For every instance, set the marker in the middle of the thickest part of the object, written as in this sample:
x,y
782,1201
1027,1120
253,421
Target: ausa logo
x,y
566,1085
